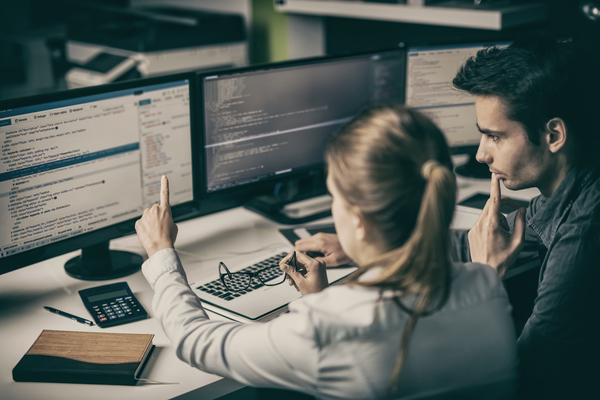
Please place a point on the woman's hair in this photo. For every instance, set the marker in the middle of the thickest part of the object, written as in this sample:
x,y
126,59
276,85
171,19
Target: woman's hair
x,y
393,164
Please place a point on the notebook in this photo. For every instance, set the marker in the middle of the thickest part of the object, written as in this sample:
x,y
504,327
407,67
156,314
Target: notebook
x,y
260,302
85,357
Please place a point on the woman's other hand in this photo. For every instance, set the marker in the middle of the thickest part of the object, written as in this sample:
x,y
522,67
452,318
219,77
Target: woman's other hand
x,y
311,276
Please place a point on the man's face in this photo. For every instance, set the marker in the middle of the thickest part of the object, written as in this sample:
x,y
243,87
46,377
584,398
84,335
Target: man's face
x,y
505,147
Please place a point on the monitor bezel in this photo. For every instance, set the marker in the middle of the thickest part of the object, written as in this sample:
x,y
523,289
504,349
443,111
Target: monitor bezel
x,y
180,212
243,192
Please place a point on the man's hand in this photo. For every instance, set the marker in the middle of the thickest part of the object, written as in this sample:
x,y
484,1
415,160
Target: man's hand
x,y
490,240
156,229
326,244
313,280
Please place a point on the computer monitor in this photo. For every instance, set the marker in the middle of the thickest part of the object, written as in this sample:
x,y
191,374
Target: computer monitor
x,y
429,73
78,168
271,123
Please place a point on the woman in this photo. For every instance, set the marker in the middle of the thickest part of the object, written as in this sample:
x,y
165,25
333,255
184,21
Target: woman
x,y
408,324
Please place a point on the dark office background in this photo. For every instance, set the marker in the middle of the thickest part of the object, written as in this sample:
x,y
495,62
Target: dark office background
x,y
33,32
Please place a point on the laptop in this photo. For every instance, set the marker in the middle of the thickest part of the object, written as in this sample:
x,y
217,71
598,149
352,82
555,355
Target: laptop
x,y
260,302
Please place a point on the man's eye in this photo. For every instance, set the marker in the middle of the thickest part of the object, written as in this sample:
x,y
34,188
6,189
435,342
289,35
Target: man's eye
x,y
494,138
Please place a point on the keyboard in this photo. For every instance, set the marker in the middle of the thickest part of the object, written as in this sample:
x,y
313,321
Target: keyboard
x,y
216,287
259,302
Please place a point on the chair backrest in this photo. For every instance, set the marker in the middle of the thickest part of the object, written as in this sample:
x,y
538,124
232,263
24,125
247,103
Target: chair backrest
x,y
505,389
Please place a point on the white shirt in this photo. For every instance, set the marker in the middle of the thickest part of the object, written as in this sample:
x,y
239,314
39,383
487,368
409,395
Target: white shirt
x,y
342,343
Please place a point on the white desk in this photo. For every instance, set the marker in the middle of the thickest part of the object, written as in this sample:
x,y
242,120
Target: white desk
x,y
202,243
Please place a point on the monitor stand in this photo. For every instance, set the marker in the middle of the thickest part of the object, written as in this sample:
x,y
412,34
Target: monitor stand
x,y
295,202
291,212
98,263
474,169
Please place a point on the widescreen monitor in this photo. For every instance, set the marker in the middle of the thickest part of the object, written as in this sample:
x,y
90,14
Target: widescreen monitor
x,y
272,122
429,72
77,169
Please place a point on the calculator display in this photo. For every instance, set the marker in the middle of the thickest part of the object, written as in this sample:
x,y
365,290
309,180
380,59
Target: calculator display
x,y
109,295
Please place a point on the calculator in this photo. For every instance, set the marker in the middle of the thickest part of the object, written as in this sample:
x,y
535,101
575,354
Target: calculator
x,y
112,305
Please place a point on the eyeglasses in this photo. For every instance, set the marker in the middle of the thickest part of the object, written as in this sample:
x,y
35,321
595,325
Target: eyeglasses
x,y
239,281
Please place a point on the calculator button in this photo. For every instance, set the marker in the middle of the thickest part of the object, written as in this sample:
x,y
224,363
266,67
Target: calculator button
x,y
112,317
103,319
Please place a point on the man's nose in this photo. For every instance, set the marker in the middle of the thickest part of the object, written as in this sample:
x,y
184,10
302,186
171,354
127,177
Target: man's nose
x,y
483,156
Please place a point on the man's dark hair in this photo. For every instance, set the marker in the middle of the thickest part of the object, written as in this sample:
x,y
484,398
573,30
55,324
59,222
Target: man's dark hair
x,y
538,78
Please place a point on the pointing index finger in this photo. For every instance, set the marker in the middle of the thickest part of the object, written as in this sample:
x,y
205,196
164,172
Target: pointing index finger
x,y
164,191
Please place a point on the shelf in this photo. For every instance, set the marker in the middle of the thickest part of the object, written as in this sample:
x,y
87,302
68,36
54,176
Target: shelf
x,y
451,13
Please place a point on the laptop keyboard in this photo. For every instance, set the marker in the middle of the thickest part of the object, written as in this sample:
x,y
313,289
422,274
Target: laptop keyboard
x,y
217,289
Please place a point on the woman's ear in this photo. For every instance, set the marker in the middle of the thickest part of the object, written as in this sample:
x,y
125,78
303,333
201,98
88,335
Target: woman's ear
x,y
556,134
364,229
361,228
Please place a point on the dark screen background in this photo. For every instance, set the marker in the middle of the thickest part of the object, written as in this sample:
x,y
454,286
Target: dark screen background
x,y
266,122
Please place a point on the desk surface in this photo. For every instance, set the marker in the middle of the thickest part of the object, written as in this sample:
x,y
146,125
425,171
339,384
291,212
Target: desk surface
x,y
227,236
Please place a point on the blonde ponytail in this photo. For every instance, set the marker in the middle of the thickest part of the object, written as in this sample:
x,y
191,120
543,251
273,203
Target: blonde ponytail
x,y
401,180
427,253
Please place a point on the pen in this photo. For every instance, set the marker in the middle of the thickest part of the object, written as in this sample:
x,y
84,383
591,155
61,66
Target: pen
x,y
293,260
67,315
295,264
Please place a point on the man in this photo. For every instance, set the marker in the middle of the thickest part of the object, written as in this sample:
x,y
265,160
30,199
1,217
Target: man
x,y
536,105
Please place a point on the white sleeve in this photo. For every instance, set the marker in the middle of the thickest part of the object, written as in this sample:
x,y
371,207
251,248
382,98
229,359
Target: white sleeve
x,y
282,353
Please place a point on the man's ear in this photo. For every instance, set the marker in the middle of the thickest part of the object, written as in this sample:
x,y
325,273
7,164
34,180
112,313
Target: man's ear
x,y
556,134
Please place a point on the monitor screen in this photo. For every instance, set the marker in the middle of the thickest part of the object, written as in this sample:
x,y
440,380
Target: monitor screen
x,y
429,73
75,165
273,121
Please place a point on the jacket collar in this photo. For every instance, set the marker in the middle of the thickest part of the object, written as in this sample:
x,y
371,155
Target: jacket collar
x,y
554,209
